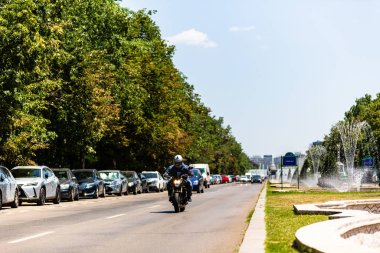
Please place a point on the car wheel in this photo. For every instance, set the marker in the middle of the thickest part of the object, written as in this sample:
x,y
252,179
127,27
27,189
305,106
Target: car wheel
x,y
121,191
77,195
42,199
16,200
57,199
72,195
96,193
103,195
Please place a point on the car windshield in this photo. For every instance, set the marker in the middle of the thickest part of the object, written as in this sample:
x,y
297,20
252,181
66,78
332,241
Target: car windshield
x,y
196,173
129,175
61,174
256,176
83,175
109,175
150,175
202,170
18,173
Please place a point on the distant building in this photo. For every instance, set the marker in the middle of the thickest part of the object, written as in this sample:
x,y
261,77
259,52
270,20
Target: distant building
x,y
267,161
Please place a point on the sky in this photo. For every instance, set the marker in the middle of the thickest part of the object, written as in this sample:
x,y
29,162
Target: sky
x,y
280,72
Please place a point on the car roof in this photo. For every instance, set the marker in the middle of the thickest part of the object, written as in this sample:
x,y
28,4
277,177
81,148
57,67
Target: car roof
x,y
108,170
30,167
92,170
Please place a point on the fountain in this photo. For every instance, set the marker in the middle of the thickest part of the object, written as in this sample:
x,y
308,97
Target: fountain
x,y
349,134
316,154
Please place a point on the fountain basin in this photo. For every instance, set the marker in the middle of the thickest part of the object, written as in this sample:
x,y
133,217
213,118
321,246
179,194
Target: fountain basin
x,y
355,217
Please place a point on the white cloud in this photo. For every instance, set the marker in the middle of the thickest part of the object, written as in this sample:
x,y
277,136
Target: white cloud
x,y
242,28
192,37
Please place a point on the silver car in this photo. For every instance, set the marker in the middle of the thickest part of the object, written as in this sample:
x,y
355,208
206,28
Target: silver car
x,y
37,184
114,181
8,188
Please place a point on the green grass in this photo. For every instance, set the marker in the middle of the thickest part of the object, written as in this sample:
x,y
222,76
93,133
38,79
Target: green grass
x,y
282,223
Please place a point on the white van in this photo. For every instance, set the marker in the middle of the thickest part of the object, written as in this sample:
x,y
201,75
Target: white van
x,y
205,170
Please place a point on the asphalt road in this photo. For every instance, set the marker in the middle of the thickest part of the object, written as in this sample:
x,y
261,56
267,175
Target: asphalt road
x,y
213,222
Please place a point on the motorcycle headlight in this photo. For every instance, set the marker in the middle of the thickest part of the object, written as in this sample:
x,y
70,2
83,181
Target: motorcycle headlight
x,y
90,185
65,186
130,184
176,182
195,182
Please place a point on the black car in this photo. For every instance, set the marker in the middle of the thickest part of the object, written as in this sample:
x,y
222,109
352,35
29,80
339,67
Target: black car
x,y
144,182
69,184
90,183
134,182
256,179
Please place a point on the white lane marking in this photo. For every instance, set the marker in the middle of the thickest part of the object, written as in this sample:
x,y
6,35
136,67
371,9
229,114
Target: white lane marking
x,y
154,206
115,216
31,237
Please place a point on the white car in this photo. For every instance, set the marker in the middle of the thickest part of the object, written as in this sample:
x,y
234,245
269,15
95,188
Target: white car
x,y
154,180
244,179
37,184
8,188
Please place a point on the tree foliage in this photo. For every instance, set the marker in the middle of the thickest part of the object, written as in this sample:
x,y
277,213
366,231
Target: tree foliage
x,y
92,84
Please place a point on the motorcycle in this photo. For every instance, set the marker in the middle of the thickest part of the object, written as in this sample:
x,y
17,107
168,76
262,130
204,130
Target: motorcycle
x,y
179,194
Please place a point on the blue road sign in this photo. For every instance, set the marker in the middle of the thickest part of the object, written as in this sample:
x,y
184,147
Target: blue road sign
x,y
368,161
289,160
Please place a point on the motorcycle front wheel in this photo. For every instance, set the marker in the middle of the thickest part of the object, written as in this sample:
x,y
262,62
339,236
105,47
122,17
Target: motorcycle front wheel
x,y
176,202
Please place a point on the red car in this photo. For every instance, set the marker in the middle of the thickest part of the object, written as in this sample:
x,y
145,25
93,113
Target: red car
x,y
225,179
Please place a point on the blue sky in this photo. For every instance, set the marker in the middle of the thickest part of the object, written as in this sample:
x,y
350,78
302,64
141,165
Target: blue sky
x,y
280,72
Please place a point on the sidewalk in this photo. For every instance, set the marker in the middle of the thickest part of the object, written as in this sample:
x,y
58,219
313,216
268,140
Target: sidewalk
x,y
254,237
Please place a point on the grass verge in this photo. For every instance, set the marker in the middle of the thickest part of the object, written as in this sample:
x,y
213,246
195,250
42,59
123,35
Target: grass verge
x,y
282,223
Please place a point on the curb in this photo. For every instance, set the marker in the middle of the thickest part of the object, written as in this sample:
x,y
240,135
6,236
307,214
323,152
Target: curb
x,y
254,238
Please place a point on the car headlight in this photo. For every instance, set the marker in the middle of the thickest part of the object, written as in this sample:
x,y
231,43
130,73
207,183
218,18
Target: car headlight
x,y
195,182
130,184
31,184
90,185
65,186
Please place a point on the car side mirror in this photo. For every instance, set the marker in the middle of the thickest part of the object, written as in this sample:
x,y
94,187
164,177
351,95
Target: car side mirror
x,y
46,175
2,178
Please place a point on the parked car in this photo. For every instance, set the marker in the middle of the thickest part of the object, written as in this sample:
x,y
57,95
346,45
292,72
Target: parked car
x,y
244,179
217,179
230,178
197,180
155,180
68,184
225,179
37,184
114,181
8,188
256,179
90,183
205,170
144,182
134,182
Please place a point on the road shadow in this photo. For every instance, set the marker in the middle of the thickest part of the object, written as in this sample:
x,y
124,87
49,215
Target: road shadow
x,y
164,212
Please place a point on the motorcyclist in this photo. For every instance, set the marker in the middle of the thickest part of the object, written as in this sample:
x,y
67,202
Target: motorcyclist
x,y
182,169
